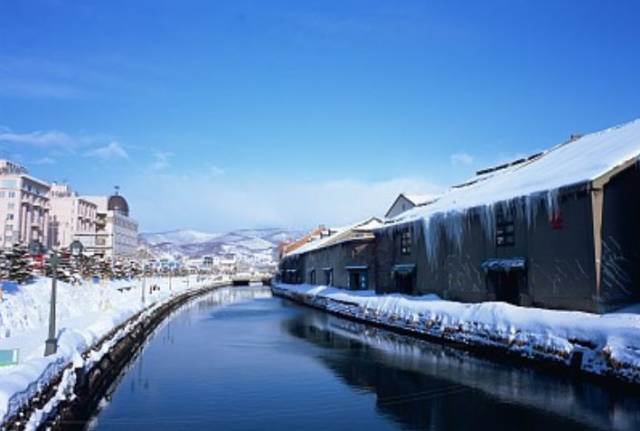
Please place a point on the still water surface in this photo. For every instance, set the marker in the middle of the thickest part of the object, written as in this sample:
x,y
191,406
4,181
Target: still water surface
x,y
241,360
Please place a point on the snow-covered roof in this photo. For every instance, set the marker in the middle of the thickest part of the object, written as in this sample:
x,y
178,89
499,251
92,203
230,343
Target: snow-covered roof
x,y
338,234
420,199
399,205
580,160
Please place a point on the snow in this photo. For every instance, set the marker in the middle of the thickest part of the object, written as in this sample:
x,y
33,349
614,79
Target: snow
x,y
336,234
609,343
85,314
521,189
178,237
255,244
420,199
508,264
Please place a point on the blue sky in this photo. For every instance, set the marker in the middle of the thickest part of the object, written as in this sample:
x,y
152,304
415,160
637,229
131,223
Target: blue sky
x,y
222,114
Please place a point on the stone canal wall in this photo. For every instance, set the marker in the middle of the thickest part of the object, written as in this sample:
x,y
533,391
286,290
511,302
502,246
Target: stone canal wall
x,y
608,352
71,398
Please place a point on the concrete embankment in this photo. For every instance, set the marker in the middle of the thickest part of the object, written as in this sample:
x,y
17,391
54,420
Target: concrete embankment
x,y
586,353
89,379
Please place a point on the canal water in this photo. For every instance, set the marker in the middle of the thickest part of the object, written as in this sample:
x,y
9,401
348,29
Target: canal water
x,y
239,359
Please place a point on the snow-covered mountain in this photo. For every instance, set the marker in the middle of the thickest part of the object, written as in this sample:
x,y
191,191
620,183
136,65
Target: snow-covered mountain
x,y
177,237
250,244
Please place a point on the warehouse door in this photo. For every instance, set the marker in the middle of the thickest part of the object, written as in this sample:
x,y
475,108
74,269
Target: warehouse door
x,y
404,283
506,284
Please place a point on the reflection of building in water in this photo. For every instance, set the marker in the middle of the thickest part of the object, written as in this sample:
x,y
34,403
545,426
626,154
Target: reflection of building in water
x,y
424,385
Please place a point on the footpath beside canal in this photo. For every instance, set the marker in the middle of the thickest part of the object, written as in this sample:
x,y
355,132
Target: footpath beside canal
x,y
606,346
66,387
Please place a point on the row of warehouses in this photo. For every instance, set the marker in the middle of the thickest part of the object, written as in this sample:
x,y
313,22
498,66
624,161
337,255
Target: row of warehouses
x,y
559,229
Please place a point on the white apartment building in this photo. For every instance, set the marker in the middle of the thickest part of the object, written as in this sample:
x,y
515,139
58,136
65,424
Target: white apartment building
x,y
71,217
24,206
116,233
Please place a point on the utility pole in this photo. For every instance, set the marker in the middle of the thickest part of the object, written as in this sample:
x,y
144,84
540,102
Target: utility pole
x,y
51,345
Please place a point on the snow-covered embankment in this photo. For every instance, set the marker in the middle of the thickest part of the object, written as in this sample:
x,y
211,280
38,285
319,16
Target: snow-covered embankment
x,y
91,318
605,345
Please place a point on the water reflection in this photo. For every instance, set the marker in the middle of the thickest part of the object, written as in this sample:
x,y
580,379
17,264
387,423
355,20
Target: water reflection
x,y
239,359
425,385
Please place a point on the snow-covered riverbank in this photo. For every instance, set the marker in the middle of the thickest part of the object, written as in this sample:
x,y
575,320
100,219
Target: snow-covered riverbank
x,y
85,314
599,344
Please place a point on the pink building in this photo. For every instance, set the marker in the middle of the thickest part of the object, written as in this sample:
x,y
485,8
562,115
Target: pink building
x,y
71,216
24,206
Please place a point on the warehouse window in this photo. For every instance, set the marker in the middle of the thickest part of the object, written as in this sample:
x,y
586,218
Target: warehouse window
x,y
405,241
505,231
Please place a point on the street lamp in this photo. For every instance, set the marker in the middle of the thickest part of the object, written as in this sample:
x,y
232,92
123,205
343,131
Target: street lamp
x,y
51,345
144,281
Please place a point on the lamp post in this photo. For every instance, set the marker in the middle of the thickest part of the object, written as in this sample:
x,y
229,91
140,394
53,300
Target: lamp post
x,y
51,345
143,284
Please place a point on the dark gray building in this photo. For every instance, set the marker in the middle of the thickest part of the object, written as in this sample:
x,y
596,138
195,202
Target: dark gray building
x,y
342,258
558,230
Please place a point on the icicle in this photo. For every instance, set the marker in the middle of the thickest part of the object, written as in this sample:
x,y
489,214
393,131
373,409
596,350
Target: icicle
x,y
553,207
488,221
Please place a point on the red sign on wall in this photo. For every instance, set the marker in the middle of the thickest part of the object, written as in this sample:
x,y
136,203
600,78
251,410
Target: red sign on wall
x,y
557,222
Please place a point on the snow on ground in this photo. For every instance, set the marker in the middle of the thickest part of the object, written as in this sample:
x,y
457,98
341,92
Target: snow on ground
x,y
608,344
85,313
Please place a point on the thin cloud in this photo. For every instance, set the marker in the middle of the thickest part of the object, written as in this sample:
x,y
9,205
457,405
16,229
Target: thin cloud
x,y
216,171
44,161
41,139
111,151
252,201
461,159
161,161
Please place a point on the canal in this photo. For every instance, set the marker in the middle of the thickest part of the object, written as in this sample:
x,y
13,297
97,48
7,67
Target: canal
x,y
239,359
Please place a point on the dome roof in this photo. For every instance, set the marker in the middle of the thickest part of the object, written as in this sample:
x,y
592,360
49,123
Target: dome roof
x,y
119,204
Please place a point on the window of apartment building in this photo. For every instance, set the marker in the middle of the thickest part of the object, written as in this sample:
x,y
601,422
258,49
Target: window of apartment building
x,y
505,230
8,184
9,216
405,241
12,194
